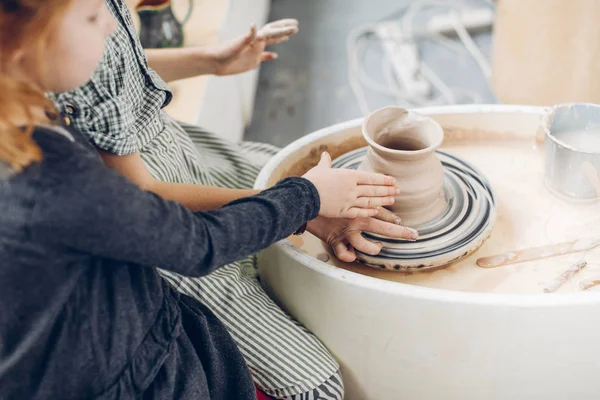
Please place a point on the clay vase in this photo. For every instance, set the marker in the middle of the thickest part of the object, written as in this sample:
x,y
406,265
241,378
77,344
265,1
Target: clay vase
x,y
159,28
402,144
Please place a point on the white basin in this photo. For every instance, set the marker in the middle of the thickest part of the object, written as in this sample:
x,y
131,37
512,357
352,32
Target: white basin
x,y
408,341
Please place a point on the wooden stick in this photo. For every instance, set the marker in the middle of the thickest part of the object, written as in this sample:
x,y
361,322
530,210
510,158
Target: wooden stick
x,y
590,283
536,253
565,276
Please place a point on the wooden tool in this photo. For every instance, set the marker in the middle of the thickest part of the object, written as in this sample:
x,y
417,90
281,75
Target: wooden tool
x,y
564,277
590,283
536,253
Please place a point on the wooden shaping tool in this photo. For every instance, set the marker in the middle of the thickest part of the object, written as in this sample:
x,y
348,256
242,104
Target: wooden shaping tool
x,y
564,277
536,253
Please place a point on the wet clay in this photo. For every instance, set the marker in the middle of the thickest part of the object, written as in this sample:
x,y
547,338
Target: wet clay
x,y
402,144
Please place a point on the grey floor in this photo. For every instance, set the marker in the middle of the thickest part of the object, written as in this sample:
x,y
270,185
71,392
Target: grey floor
x,y
307,87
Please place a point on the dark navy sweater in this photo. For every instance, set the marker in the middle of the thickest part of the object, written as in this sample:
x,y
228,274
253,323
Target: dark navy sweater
x,y
83,312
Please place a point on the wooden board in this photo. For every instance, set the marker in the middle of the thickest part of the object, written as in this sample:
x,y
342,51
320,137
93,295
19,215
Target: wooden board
x,y
546,52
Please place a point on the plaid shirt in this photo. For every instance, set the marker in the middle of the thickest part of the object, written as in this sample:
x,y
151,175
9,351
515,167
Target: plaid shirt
x,y
119,109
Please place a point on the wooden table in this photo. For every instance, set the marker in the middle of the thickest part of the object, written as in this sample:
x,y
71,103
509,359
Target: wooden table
x,y
546,52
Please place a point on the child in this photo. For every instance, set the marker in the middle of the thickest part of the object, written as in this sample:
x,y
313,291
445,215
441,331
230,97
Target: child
x,y
120,110
83,313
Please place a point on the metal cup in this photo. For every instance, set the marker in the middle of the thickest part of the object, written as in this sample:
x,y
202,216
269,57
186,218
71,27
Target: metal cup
x,y
572,132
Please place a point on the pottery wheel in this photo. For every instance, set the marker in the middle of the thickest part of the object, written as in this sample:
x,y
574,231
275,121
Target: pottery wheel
x,y
459,230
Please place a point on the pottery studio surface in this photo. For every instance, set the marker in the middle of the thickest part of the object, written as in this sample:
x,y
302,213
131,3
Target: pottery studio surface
x,y
460,332
546,52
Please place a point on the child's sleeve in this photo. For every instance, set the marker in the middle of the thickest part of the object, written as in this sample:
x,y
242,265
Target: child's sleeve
x,y
85,206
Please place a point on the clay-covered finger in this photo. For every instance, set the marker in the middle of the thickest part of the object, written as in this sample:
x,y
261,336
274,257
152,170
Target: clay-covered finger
x,y
284,22
388,229
387,216
377,191
344,251
271,33
374,202
355,212
363,245
277,31
272,42
371,178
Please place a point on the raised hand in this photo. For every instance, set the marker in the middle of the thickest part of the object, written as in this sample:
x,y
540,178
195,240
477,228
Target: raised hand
x,y
350,194
247,52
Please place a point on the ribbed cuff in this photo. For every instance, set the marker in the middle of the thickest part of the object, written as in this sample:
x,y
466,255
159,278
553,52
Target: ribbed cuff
x,y
313,199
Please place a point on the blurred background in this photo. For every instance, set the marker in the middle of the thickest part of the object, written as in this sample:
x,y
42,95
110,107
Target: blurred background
x,y
351,57
341,63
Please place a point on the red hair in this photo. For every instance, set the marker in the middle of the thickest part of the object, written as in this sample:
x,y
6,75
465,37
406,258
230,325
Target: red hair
x,y
24,24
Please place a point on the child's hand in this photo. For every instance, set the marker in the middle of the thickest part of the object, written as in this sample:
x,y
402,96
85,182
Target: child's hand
x,y
248,52
350,194
344,236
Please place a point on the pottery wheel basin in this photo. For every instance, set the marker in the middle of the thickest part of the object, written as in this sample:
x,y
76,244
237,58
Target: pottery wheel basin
x,y
461,332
